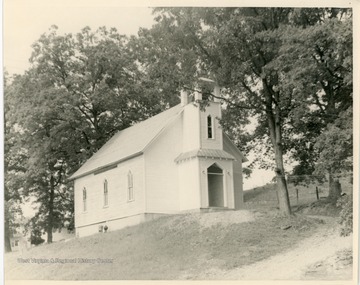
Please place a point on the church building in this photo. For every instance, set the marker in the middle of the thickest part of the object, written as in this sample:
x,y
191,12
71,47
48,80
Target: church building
x,y
179,160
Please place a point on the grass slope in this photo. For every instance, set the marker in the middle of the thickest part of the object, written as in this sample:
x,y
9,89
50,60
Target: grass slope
x,y
171,247
299,195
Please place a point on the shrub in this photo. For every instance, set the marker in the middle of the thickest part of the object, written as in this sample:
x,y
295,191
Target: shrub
x,y
346,214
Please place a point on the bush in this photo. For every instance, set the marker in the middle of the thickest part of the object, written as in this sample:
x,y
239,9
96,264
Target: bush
x,y
346,214
35,237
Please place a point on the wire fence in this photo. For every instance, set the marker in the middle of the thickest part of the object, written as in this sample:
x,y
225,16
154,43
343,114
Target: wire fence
x,y
302,189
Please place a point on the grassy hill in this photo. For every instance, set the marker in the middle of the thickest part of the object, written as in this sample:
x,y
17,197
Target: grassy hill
x,y
171,247
181,246
300,195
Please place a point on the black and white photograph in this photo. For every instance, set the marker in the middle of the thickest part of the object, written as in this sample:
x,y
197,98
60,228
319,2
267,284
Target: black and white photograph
x,y
191,141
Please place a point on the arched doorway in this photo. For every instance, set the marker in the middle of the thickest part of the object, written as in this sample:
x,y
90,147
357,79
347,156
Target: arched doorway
x,y
215,186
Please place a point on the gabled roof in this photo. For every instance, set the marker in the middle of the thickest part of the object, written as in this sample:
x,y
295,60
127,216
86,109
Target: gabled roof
x,y
128,143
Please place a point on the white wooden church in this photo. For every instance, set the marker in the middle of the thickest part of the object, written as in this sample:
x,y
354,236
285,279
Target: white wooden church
x,y
179,160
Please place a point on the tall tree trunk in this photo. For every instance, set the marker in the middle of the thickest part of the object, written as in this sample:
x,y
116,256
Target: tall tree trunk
x,y
274,123
50,225
7,229
284,201
334,188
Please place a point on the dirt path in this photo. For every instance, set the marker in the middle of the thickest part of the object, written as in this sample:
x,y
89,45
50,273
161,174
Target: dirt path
x,y
325,255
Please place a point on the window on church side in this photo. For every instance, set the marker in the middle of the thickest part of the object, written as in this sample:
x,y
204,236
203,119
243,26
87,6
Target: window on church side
x,y
210,127
84,199
106,193
130,187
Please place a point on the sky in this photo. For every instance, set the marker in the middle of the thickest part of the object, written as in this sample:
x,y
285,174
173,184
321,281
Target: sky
x,y
25,21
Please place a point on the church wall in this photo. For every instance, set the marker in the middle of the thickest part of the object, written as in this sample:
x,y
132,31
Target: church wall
x,y
161,173
191,130
189,184
118,204
238,185
238,176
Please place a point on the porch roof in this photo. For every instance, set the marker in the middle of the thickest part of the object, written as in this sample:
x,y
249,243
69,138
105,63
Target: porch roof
x,y
207,153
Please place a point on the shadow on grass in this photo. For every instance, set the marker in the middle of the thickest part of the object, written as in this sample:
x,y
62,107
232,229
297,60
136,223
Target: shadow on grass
x,y
323,207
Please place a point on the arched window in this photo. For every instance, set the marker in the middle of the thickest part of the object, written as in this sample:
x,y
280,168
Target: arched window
x,y
106,193
210,127
84,199
130,187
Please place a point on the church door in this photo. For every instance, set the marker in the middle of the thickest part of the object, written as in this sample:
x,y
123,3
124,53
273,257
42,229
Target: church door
x,y
215,178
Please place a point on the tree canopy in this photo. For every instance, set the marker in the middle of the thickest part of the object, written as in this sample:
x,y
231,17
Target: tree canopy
x,y
288,68
79,91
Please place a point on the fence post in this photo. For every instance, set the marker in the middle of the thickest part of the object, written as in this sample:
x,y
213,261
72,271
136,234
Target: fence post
x,y
317,193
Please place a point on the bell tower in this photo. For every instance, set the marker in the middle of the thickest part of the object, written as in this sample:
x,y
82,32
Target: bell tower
x,y
211,136
202,128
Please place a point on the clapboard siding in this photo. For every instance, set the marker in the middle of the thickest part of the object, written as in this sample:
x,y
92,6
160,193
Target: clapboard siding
x,y
238,175
189,184
191,128
238,185
118,205
162,186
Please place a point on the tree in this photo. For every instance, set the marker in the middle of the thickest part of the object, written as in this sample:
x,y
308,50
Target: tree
x,y
13,169
230,47
78,92
35,232
335,147
317,65
242,49
43,162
